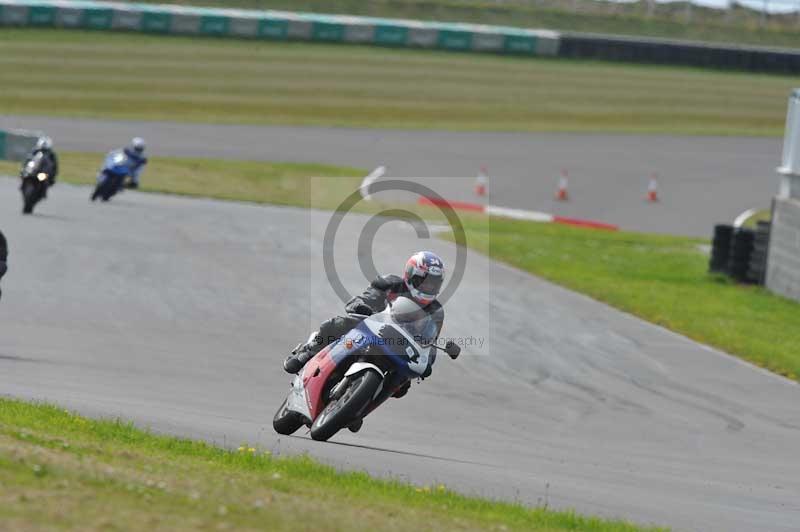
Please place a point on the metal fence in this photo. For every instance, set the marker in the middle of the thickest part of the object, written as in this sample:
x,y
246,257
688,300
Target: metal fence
x,y
16,145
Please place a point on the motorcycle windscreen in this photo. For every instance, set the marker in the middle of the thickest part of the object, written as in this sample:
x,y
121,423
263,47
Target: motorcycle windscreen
x,y
422,331
414,320
31,167
410,358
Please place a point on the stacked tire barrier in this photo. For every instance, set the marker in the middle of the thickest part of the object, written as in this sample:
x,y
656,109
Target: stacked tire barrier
x,y
283,25
16,145
739,259
740,253
721,249
757,270
276,25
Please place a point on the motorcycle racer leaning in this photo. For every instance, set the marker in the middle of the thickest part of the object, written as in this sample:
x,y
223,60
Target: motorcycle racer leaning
x,y
44,145
422,280
135,154
3,257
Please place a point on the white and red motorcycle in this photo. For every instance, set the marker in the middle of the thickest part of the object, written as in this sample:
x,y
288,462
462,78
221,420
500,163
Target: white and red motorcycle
x,y
350,378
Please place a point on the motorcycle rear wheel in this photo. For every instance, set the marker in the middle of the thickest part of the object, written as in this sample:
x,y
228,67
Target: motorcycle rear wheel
x,y
285,421
341,412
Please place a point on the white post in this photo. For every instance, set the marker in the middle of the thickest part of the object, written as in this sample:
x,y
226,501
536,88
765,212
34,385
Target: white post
x,y
790,161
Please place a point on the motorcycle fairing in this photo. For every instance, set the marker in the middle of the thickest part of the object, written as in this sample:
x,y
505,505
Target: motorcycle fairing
x,y
410,357
307,387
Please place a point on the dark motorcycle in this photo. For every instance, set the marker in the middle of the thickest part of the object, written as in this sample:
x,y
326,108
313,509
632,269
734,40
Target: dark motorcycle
x,y
35,182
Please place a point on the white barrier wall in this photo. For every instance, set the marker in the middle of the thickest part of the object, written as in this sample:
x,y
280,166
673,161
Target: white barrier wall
x,y
783,263
783,257
16,145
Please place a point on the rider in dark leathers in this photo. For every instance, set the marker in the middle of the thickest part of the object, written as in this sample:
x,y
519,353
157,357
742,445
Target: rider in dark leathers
x,y
49,161
3,257
421,282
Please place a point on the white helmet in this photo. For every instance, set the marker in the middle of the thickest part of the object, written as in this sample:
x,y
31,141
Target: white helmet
x,y
44,143
137,144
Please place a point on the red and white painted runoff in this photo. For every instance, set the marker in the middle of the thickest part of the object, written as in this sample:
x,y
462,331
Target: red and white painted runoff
x,y
491,210
517,214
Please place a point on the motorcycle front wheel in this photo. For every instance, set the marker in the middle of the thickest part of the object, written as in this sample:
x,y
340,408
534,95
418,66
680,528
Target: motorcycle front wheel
x,y
28,197
285,421
340,412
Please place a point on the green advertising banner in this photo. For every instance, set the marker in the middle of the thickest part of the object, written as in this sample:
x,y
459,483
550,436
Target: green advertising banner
x,y
279,25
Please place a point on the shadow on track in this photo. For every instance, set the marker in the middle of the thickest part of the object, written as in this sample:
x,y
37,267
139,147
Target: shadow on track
x,y
38,215
396,451
14,358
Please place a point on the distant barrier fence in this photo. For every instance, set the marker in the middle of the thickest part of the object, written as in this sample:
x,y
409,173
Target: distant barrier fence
x,y
282,25
278,25
16,145
664,51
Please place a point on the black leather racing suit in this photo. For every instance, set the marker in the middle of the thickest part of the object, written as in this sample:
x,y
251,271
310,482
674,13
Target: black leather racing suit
x,y
374,299
49,164
3,257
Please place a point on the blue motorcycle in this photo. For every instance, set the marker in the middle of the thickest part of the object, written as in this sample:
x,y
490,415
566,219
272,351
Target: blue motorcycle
x,y
111,179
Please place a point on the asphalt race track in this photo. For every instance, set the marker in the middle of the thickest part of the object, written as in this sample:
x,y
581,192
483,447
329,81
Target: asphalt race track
x,y
176,313
703,180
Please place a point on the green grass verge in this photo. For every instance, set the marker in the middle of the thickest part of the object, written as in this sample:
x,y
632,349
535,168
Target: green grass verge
x,y
261,182
662,279
61,470
763,215
245,82
739,26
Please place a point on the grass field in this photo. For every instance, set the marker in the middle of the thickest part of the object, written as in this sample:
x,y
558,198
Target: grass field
x,y
634,18
222,81
62,471
278,183
662,279
764,215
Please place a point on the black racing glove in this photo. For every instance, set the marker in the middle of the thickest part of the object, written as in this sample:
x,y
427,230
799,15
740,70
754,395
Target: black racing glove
x,y
452,349
361,308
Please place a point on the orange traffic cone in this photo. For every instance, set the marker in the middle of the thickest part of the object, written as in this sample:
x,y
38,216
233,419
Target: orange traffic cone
x,y
561,193
652,189
481,181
